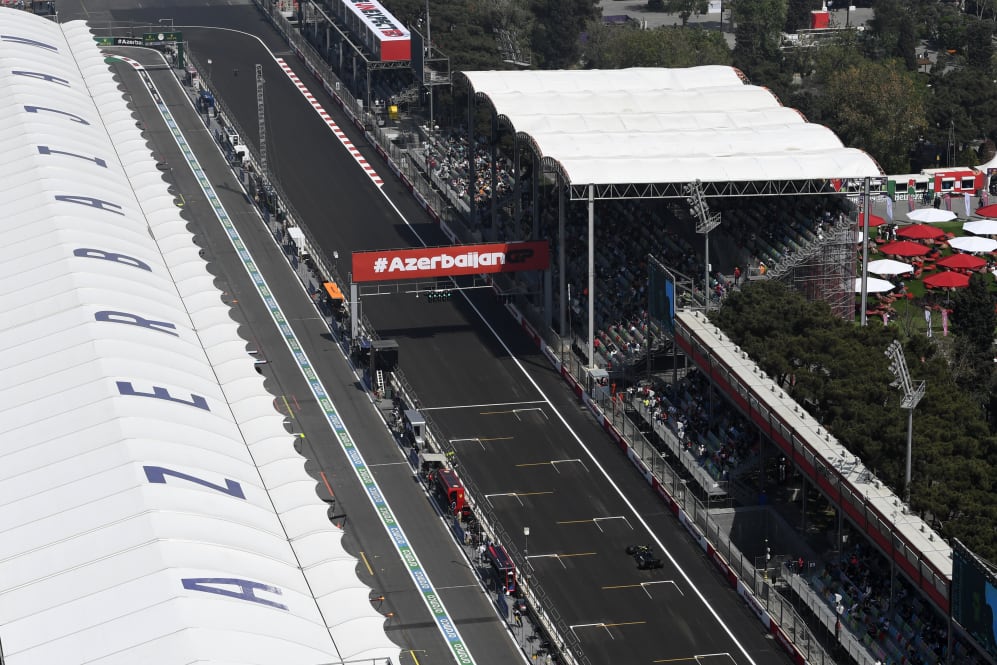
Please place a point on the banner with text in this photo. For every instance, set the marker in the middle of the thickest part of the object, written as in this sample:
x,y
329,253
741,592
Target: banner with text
x,y
450,261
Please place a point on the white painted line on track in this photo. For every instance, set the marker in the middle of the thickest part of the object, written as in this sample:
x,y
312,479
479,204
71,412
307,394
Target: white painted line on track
x,y
622,495
479,406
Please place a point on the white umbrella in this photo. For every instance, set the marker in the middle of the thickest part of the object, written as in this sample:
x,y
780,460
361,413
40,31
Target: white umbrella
x,y
973,244
983,227
889,267
875,285
931,215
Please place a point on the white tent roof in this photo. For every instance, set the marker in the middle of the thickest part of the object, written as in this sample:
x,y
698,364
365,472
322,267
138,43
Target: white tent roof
x,y
645,125
152,507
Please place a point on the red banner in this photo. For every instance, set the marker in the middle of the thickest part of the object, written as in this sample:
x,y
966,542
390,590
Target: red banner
x,y
450,261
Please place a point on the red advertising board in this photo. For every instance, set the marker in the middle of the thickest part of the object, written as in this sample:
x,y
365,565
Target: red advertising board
x,y
450,261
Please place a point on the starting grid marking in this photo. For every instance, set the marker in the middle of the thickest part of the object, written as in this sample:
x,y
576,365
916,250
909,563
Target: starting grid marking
x,y
644,586
705,659
410,559
340,134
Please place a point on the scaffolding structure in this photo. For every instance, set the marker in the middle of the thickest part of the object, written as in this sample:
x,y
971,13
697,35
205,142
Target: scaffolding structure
x,y
828,271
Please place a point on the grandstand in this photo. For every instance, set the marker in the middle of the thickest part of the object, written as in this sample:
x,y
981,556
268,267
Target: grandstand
x,y
629,141
894,591
154,507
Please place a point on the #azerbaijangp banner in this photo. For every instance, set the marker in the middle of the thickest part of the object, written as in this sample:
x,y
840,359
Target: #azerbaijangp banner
x,y
450,261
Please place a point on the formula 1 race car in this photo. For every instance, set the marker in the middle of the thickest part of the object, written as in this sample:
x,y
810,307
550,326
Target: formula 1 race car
x,y
644,557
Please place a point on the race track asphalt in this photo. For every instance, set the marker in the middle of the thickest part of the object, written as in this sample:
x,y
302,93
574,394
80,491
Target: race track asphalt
x,y
532,453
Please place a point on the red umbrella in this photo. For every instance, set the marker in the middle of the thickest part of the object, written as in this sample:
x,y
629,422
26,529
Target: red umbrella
x,y
965,261
987,211
904,248
920,232
947,280
874,220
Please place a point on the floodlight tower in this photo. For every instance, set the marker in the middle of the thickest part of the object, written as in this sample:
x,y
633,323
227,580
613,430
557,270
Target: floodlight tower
x,y
911,395
261,120
705,222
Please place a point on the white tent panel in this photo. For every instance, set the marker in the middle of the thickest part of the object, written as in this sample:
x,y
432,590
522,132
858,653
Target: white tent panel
x,y
126,468
636,126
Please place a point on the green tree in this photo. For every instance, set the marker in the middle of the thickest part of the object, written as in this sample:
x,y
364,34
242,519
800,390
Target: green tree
x,y
559,24
838,372
798,14
894,28
611,47
758,36
758,27
878,107
686,8
980,47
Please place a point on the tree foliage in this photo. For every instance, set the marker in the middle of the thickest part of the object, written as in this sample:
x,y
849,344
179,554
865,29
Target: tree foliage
x,y
878,107
839,373
556,32
686,8
798,14
612,47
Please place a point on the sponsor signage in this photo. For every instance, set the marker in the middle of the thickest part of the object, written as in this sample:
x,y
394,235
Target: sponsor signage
x,y
381,32
119,41
161,37
450,261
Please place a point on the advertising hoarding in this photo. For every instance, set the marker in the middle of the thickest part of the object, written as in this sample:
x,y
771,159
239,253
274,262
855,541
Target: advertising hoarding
x,y
450,261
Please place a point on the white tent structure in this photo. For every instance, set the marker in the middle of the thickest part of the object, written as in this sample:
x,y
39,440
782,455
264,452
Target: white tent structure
x,y
650,125
152,506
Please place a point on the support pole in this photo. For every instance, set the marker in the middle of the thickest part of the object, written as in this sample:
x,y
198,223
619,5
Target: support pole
x,y
591,287
910,446
562,276
865,253
706,281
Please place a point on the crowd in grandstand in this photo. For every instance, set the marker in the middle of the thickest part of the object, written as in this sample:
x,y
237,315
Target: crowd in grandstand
x,y
882,609
447,158
706,425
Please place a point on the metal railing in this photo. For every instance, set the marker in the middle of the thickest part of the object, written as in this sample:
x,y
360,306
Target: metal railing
x,y
697,514
379,137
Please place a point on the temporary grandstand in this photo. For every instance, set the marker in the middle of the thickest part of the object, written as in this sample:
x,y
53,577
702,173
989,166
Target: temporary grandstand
x,y
153,507
647,133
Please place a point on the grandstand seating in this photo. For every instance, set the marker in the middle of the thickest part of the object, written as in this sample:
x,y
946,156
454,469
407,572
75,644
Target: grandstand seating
x,y
720,440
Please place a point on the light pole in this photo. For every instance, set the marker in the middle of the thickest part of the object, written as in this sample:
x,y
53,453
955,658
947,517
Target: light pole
x,y
209,72
912,394
705,222
526,542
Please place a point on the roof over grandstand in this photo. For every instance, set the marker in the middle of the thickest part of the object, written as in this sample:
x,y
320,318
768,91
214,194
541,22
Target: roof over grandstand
x,y
658,126
152,505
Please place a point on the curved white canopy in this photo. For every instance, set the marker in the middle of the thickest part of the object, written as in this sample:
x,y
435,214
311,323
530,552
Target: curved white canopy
x,y
647,125
152,506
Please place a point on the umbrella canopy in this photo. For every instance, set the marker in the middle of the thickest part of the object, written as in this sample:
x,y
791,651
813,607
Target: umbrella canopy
x,y
973,244
964,261
889,267
983,227
903,248
874,220
987,211
920,232
930,215
947,280
875,285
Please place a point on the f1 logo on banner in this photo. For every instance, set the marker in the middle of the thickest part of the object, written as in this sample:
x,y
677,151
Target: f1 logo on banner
x,y
450,261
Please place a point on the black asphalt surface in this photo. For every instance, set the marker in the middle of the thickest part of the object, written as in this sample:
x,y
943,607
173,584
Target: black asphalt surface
x,y
537,457
410,623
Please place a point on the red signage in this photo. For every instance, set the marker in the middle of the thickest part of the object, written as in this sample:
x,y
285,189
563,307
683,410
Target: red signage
x,y
450,261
